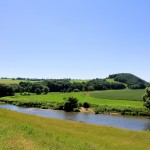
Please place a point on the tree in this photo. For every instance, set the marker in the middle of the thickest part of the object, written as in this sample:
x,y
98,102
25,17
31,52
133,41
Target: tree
x,y
45,90
38,91
146,99
86,105
6,90
90,88
70,104
76,90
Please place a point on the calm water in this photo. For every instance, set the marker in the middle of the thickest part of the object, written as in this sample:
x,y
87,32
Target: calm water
x,y
132,123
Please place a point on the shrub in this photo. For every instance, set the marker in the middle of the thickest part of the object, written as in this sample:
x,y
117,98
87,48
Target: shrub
x,y
76,90
86,105
38,91
70,104
45,90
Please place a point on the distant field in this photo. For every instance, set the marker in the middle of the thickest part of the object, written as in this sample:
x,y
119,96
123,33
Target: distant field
x,y
28,132
82,97
126,94
110,80
79,80
11,81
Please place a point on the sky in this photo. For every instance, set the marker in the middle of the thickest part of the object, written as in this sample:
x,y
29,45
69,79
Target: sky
x,y
78,39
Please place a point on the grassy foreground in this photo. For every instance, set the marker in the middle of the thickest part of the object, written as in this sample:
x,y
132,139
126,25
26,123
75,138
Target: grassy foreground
x,y
28,132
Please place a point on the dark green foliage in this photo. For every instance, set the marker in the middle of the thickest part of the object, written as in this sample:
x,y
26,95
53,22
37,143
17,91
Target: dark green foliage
x,y
16,88
90,88
38,91
64,85
45,90
146,99
102,84
124,110
76,90
86,105
70,104
31,87
58,85
6,90
137,86
132,81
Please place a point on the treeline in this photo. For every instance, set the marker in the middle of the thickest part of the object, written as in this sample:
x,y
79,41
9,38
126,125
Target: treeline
x,y
61,85
26,79
132,81
64,85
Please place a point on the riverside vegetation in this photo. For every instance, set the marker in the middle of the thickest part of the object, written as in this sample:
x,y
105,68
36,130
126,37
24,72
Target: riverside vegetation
x,y
56,94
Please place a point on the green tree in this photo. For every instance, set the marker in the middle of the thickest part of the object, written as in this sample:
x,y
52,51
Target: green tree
x,y
76,90
6,90
45,90
38,91
146,99
90,88
70,104
86,105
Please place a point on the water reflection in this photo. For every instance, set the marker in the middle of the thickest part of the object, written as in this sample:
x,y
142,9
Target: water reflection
x,y
132,123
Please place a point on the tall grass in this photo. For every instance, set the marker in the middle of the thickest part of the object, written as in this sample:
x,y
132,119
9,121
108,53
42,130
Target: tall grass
x,y
28,132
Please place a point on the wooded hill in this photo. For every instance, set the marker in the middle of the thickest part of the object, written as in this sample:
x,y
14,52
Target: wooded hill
x,y
132,81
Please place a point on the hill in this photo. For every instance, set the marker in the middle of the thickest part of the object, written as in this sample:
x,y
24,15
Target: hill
x,y
132,81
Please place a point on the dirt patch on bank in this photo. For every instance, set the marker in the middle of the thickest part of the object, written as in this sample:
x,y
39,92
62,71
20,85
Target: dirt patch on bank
x,y
86,110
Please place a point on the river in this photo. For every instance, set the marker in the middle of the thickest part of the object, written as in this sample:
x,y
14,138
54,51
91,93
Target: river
x,y
127,122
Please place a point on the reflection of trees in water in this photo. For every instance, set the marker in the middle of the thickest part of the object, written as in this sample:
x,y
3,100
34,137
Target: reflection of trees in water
x,y
147,124
70,116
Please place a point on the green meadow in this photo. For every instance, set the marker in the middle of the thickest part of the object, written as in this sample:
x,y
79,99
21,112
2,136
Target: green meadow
x,y
27,132
126,94
110,97
11,81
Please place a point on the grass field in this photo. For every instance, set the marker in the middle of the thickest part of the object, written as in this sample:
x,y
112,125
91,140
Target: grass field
x,y
119,94
27,132
79,80
110,80
107,98
11,81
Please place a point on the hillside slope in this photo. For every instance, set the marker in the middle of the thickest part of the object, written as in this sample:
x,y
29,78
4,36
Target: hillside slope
x,y
132,81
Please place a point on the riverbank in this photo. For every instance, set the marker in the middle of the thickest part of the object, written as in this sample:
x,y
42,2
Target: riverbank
x,y
97,109
21,131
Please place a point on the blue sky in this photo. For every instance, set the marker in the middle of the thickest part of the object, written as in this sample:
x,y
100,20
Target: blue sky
x,y
74,38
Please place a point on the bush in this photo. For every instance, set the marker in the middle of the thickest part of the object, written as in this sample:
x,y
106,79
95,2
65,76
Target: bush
x,y
86,105
90,88
70,104
45,90
38,91
146,99
76,90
